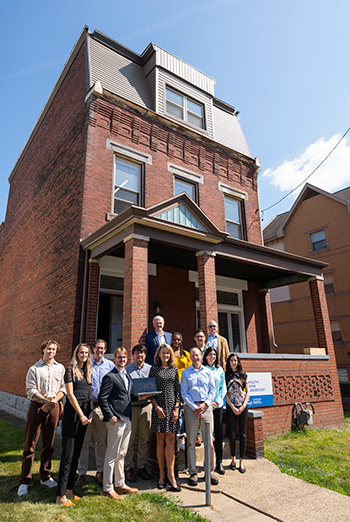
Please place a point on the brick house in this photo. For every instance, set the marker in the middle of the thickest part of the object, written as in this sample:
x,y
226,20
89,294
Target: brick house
x,y
317,226
136,194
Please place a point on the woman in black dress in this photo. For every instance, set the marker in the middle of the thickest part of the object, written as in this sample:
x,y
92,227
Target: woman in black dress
x,y
165,413
236,400
76,416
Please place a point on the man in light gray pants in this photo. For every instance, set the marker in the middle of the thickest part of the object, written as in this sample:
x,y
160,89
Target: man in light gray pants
x,y
198,392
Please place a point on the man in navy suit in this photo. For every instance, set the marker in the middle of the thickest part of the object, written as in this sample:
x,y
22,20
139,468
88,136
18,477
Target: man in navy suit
x,y
156,338
114,399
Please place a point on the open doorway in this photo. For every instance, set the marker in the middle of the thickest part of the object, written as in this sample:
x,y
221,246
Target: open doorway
x,y
110,320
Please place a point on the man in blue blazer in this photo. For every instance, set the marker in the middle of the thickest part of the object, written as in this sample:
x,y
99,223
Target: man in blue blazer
x,y
114,399
156,338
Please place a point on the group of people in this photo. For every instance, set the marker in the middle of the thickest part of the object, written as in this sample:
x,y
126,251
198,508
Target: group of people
x,y
192,387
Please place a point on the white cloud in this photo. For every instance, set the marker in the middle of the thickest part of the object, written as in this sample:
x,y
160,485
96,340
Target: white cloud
x,y
334,174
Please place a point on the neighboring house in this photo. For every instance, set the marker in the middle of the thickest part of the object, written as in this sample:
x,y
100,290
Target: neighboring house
x,y
317,226
136,194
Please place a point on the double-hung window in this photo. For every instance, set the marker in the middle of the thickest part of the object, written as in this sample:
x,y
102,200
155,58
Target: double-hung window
x,y
182,185
318,240
127,183
184,108
233,215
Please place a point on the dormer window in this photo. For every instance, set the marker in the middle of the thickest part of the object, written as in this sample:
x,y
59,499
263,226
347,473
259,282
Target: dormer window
x,y
184,108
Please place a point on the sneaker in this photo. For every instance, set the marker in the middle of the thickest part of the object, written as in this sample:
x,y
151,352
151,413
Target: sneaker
x,y
49,483
22,490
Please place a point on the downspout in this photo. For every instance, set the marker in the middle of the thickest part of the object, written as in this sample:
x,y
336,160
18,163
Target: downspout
x,y
84,297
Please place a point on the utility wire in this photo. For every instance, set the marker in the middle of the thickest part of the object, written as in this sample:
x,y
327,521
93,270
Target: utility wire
x,y
309,176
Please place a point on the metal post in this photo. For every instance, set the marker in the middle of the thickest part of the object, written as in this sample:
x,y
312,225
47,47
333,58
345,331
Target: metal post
x,y
207,463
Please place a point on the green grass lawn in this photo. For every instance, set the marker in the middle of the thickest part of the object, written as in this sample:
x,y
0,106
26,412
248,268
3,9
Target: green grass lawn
x,y
321,457
39,505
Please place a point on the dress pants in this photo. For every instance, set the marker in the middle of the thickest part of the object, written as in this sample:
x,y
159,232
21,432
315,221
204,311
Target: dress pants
x,y
98,427
38,420
218,414
118,436
231,420
141,417
73,433
192,423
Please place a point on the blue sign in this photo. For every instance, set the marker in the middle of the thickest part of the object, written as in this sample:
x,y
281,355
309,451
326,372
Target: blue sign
x,y
260,389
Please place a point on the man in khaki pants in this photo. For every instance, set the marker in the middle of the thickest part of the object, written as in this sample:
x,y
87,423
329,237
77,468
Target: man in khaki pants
x,y
141,417
100,367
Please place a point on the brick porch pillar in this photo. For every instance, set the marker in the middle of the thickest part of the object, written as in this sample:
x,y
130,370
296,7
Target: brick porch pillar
x,y
324,336
92,302
320,309
207,288
135,291
266,320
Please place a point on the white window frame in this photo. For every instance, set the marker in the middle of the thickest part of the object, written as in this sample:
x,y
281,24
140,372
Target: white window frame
x,y
130,155
184,108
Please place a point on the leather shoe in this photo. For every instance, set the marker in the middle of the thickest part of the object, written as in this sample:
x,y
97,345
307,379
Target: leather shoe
x,y
125,490
75,497
80,481
193,480
99,477
175,489
143,473
130,475
233,466
161,486
220,469
242,470
112,495
198,442
214,481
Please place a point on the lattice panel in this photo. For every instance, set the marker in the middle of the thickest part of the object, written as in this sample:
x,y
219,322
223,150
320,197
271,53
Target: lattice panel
x,y
294,388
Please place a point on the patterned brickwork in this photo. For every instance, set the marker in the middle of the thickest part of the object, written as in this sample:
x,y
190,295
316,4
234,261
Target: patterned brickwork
x,y
314,387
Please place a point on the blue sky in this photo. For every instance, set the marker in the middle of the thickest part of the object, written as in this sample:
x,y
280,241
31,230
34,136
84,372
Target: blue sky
x,y
283,65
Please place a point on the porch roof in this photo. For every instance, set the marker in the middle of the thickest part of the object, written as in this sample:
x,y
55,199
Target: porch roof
x,y
174,244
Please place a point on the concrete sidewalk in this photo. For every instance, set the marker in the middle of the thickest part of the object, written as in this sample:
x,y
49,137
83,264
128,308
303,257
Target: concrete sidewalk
x,y
262,494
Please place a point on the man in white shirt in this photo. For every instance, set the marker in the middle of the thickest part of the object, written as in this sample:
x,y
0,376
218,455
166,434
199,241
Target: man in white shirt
x,y
115,402
45,388
218,342
198,392
141,417
100,366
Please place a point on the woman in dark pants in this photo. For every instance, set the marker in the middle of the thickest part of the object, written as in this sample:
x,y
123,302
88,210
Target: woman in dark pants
x,y
211,361
76,416
236,399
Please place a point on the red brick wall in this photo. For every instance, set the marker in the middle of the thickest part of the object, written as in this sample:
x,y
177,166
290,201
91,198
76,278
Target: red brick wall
x,y
40,258
176,295
164,144
254,335
135,293
92,302
207,289
299,380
